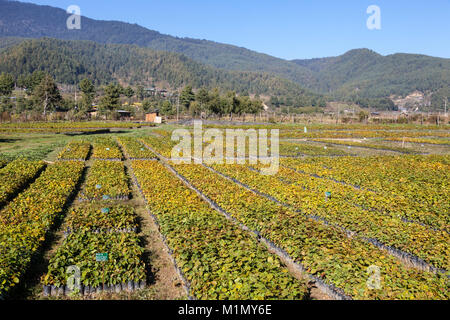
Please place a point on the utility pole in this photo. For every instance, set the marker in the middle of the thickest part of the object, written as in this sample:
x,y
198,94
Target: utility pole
x,y
76,104
337,118
178,107
445,106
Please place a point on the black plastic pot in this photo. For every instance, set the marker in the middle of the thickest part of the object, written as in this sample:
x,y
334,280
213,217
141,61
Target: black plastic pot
x,y
130,286
47,291
87,290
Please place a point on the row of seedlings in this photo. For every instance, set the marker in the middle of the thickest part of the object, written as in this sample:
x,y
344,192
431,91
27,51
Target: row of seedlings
x,y
162,145
75,150
26,221
17,175
106,180
101,247
422,198
323,250
134,149
298,191
217,259
106,148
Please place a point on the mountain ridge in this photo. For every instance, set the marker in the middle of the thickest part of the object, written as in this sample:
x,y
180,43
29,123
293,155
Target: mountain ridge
x,y
357,73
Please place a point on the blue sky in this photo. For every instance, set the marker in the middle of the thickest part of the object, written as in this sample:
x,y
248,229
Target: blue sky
x,y
288,29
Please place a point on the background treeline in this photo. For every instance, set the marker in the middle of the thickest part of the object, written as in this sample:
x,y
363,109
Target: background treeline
x,y
38,93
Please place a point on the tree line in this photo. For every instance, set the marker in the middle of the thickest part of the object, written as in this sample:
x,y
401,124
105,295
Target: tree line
x,y
40,93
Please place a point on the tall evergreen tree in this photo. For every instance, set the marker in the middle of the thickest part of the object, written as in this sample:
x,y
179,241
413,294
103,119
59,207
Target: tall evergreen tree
x,y
187,96
111,98
129,93
88,90
47,94
6,84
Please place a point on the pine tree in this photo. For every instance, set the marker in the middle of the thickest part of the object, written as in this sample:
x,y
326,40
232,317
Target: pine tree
x,y
88,90
6,84
187,96
47,93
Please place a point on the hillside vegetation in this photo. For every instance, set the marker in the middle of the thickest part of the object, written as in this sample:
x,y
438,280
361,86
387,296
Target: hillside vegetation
x,y
361,72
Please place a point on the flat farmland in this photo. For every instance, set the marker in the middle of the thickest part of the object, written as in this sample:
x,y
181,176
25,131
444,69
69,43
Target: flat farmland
x,y
353,212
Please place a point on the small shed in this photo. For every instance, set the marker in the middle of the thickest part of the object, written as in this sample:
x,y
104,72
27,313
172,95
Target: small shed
x,y
152,116
124,114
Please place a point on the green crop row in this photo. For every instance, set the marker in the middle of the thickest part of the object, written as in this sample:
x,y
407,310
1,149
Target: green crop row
x,y
135,149
323,250
163,146
295,149
307,194
76,150
106,148
25,222
416,186
16,175
79,249
101,218
218,259
106,180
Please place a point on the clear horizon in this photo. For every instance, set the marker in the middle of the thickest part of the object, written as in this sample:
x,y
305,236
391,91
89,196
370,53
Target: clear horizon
x,y
295,29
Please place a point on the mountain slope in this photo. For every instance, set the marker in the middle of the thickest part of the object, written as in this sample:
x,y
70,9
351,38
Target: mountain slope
x,y
362,72
373,75
32,21
70,61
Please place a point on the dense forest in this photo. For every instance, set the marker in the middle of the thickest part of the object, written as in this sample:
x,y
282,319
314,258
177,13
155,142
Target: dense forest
x,y
28,20
70,61
365,73
357,74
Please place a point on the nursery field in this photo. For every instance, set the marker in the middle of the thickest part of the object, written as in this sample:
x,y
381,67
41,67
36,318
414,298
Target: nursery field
x,y
353,212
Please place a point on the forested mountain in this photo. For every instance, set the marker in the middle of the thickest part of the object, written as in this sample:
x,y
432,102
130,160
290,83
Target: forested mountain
x,y
19,19
368,74
358,73
70,61
6,43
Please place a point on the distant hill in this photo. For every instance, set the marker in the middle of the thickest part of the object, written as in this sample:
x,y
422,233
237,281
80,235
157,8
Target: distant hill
x,y
360,72
71,61
369,74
